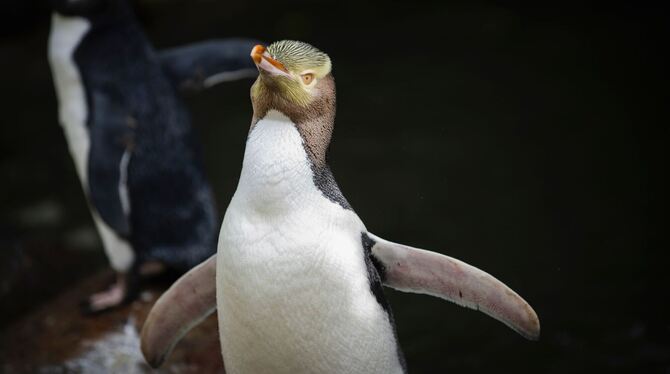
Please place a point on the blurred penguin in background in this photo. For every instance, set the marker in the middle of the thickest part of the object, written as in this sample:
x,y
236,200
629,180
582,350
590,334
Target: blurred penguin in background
x,y
130,136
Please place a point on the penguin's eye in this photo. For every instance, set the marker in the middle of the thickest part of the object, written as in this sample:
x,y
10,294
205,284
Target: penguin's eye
x,y
307,78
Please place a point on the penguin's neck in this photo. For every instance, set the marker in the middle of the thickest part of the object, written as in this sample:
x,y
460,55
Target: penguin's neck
x,y
315,122
276,173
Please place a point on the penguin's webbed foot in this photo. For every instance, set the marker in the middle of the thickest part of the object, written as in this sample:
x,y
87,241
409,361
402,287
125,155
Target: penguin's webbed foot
x,y
116,295
126,287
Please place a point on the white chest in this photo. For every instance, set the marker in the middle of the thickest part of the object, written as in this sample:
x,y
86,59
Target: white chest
x,y
66,34
292,288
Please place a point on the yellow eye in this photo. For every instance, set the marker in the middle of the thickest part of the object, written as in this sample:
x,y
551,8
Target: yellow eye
x,y
307,78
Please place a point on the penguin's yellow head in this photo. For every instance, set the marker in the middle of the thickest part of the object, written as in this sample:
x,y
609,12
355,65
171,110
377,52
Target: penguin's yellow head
x,y
290,71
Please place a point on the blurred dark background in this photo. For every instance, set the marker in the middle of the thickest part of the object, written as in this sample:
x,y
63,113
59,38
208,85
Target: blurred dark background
x,y
527,140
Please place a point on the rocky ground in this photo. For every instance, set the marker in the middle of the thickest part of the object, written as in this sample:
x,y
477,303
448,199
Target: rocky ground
x,y
56,338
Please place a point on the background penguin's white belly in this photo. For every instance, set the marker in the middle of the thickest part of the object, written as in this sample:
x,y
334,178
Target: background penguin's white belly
x,y
293,293
66,34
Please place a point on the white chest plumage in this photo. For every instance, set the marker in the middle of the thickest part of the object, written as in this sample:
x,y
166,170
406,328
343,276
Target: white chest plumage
x,y
293,294
66,34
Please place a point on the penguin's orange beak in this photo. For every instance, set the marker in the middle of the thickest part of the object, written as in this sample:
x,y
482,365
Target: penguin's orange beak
x,y
265,62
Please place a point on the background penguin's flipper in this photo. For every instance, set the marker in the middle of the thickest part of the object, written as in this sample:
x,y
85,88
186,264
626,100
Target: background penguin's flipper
x,y
190,300
415,270
202,65
110,154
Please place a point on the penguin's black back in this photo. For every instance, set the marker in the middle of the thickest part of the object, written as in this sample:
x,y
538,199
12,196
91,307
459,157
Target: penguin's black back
x,y
134,110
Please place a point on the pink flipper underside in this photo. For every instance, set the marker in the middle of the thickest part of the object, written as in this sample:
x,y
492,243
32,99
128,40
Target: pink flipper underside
x,y
415,270
184,305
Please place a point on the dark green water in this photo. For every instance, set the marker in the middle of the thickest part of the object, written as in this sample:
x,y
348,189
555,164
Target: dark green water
x,y
522,140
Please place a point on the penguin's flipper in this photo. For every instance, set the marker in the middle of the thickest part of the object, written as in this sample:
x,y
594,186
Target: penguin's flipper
x,y
201,65
110,154
416,270
183,306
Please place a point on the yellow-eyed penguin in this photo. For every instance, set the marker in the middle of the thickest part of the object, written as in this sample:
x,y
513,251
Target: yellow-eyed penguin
x,y
298,278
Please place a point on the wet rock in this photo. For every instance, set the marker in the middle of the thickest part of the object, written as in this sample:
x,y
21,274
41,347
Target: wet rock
x,y
57,339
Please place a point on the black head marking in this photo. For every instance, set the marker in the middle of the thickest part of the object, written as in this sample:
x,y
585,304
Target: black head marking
x,y
98,12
